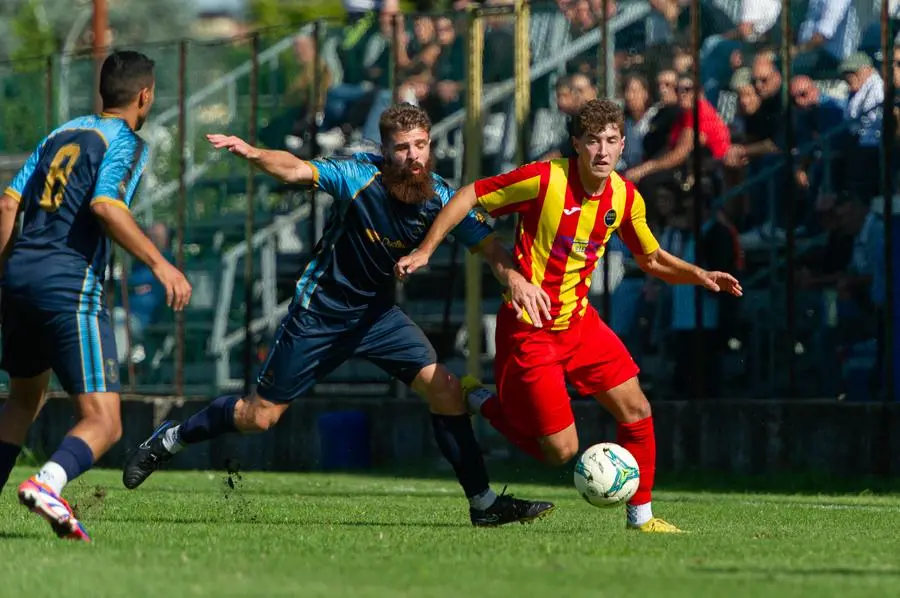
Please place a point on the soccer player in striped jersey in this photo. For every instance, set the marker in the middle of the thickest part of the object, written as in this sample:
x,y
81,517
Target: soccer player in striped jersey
x,y
547,333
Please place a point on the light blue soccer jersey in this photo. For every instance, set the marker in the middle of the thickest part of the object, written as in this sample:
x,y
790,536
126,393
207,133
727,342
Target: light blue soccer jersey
x,y
61,256
367,233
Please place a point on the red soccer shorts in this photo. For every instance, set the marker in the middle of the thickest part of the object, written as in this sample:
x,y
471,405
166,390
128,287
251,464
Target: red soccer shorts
x,y
533,365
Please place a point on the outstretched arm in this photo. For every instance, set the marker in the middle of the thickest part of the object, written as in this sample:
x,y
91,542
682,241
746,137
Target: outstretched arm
x,y
462,202
667,267
498,195
450,215
279,164
658,262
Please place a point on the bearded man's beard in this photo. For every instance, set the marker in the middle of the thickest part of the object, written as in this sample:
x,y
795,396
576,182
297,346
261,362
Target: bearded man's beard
x,y
408,187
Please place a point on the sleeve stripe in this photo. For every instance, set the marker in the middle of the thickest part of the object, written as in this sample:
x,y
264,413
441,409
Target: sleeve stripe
x,y
634,232
626,229
110,200
315,172
495,197
478,247
126,187
10,192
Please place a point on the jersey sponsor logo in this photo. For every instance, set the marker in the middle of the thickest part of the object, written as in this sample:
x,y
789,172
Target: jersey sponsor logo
x,y
564,246
609,218
375,237
570,211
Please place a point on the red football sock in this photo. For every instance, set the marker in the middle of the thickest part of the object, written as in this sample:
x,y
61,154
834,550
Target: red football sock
x,y
638,439
492,410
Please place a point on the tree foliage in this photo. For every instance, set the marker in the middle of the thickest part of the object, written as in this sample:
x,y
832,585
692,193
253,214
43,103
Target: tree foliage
x,y
281,13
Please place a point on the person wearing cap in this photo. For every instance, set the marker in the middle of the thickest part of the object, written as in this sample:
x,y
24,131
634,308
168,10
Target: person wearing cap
x,y
864,111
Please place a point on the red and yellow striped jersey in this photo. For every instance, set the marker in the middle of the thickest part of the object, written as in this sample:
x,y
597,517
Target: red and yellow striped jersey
x,y
563,231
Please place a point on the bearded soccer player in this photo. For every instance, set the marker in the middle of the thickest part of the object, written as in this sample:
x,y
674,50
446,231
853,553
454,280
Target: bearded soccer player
x,y
568,209
344,306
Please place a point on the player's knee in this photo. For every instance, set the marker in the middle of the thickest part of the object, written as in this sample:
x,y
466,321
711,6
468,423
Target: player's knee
x,y
627,402
114,430
102,411
111,424
263,420
259,417
636,409
441,389
560,453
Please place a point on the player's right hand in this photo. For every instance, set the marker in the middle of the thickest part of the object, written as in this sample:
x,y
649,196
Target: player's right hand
x,y
529,298
408,264
235,145
178,289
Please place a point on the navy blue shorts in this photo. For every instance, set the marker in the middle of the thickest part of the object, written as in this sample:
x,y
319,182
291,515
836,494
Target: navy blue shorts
x,y
78,346
308,347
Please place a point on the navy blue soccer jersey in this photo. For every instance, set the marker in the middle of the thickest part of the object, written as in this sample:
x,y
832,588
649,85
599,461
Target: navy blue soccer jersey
x,y
366,234
61,255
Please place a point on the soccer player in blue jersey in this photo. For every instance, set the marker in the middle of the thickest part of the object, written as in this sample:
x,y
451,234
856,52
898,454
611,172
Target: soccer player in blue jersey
x,y
74,193
344,306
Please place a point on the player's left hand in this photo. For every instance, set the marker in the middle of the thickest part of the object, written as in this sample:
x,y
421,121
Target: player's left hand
x,y
721,282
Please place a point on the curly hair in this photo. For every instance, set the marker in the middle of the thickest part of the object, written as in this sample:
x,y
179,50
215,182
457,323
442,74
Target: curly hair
x,y
403,117
595,116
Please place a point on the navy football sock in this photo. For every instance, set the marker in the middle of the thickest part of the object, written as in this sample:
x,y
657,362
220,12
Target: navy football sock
x,y
215,419
74,456
456,439
8,455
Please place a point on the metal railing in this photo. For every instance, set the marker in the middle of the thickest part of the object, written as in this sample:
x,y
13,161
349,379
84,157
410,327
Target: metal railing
x,y
223,341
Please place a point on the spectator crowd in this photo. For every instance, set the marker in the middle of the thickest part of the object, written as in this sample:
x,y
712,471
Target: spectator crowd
x,y
837,96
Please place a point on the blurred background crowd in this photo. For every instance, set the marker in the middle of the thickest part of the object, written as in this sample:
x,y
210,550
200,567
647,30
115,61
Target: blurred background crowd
x,y
326,87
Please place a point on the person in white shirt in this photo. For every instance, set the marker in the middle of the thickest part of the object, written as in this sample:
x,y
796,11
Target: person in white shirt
x,y
828,35
757,19
864,111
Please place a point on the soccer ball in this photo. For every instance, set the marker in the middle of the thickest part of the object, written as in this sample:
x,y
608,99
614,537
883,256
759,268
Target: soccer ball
x,y
606,475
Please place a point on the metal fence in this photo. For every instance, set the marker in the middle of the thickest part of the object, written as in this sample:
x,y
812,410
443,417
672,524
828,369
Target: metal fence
x,y
782,180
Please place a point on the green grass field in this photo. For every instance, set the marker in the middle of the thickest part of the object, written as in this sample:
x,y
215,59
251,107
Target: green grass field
x,y
189,534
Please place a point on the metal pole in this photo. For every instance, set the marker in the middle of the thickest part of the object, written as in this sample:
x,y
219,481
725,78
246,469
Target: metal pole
x,y
48,100
473,136
250,223
394,80
65,60
698,353
522,63
888,138
100,26
181,208
318,78
603,84
789,205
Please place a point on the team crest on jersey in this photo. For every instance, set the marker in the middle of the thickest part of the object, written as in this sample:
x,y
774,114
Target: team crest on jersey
x,y
610,217
112,371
